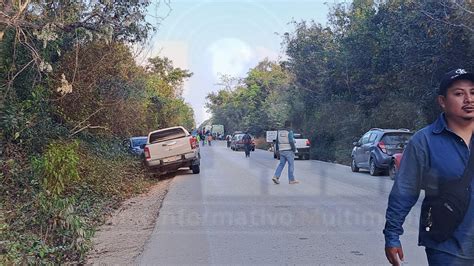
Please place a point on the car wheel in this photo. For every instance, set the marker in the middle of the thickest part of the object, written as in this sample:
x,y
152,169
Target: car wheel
x,y
373,171
354,167
196,169
307,157
392,171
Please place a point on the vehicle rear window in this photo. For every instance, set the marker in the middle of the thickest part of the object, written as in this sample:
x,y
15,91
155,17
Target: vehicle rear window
x,y
396,138
165,135
298,135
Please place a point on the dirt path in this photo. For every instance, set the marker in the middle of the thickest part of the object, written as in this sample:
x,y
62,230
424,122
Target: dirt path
x,y
121,239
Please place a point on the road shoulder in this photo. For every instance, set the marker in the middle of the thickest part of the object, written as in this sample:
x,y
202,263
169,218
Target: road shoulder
x,y
122,237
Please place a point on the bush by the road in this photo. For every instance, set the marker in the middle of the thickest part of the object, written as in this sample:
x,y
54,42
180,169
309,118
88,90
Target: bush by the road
x,y
49,217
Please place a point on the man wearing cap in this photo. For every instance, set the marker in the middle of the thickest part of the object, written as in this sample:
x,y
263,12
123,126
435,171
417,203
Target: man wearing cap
x,y
434,154
285,145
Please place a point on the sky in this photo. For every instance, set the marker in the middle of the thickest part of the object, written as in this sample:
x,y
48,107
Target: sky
x,y
215,37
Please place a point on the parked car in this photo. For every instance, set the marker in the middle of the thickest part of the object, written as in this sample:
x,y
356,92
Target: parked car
x,y
172,148
302,147
375,149
135,145
395,165
238,144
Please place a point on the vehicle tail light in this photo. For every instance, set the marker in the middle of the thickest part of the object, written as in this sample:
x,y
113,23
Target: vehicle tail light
x,y
147,153
308,143
381,145
193,143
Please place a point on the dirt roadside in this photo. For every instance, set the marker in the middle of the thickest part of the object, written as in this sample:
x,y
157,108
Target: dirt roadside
x,y
123,236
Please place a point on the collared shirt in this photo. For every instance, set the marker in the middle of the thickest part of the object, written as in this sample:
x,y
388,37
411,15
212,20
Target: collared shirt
x,y
434,155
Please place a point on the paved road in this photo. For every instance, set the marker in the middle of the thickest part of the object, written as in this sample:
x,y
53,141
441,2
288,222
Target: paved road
x,y
232,213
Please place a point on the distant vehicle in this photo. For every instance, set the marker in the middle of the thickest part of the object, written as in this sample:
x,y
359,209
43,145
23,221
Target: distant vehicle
x,y
302,147
218,131
135,144
238,144
271,136
375,149
171,148
237,132
395,165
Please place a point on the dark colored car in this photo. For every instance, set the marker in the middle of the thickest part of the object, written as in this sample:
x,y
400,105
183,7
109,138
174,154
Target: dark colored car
x,y
238,144
136,144
375,149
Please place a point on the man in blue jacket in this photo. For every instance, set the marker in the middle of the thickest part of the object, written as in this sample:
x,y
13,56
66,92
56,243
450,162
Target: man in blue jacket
x,y
436,154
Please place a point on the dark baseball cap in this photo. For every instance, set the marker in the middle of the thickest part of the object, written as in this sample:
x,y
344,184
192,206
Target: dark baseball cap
x,y
452,76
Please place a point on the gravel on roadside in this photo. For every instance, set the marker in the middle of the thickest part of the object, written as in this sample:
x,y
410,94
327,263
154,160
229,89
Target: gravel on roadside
x,y
122,237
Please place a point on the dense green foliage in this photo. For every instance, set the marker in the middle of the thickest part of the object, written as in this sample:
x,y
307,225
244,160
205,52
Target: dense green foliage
x,y
70,92
376,64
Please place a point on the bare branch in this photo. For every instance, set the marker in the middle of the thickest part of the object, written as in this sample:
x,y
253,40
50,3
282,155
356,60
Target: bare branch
x,y
88,126
464,9
429,15
82,122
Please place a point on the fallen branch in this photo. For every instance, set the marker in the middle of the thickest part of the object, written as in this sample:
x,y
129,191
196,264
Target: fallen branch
x,y
78,125
88,126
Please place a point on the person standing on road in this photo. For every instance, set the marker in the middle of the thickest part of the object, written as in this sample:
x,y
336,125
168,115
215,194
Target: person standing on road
x,y
209,138
203,138
285,145
229,139
198,138
436,154
247,140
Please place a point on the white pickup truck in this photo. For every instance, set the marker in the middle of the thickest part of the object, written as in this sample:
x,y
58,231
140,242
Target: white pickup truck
x,y
172,148
302,145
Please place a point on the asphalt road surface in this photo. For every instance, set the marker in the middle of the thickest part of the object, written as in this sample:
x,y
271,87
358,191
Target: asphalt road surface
x,y
232,213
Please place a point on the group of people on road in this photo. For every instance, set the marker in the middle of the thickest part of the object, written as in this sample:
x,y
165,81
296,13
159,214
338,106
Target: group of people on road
x,y
205,137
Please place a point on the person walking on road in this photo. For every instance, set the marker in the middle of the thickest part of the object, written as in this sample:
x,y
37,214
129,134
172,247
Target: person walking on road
x,y
247,140
228,139
203,138
198,138
285,145
435,160
209,138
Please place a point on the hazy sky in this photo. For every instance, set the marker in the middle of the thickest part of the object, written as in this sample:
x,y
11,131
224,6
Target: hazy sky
x,y
212,37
